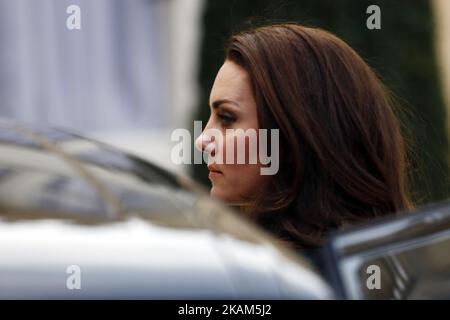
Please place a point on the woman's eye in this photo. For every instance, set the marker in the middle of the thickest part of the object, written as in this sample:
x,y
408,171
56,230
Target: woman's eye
x,y
226,118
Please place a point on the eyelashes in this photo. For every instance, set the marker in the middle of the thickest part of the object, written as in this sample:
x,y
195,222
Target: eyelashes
x,y
226,118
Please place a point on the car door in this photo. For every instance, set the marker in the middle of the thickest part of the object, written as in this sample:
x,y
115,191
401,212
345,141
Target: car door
x,y
402,257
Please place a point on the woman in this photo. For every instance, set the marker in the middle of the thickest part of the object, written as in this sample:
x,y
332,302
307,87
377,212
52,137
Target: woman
x,y
341,152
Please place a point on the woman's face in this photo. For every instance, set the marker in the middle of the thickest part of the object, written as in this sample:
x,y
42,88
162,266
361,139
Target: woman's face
x,y
232,106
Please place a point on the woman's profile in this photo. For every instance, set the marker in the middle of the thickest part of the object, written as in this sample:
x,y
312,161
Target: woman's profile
x,y
341,151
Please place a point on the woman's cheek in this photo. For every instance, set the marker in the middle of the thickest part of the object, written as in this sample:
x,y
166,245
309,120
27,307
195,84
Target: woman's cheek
x,y
240,180
239,150
233,187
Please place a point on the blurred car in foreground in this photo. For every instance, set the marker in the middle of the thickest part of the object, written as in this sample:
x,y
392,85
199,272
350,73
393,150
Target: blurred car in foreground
x,y
80,219
128,229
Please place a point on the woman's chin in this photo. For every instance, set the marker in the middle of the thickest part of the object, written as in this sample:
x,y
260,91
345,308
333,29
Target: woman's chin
x,y
216,193
219,194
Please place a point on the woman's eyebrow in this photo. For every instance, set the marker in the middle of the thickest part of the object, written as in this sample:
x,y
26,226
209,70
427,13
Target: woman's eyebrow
x,y
216,104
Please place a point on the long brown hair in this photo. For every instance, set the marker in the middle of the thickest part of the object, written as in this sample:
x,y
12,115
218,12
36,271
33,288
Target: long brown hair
x,y
342,155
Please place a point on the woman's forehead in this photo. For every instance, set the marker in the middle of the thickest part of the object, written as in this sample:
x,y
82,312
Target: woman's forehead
x,y
232,83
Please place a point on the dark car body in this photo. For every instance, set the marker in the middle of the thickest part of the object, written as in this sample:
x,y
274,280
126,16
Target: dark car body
x,y
411,252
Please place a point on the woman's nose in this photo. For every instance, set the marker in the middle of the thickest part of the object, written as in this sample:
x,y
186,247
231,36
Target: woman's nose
x,y
205,143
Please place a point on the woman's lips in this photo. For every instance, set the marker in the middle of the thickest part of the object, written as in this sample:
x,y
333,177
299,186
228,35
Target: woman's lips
x,y
214,172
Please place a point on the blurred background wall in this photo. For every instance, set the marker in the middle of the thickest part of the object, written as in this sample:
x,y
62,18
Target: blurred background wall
x,y
442,44
110,75
111,79
137,69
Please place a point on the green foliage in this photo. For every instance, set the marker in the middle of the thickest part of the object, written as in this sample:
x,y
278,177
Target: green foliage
x,y
402,53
